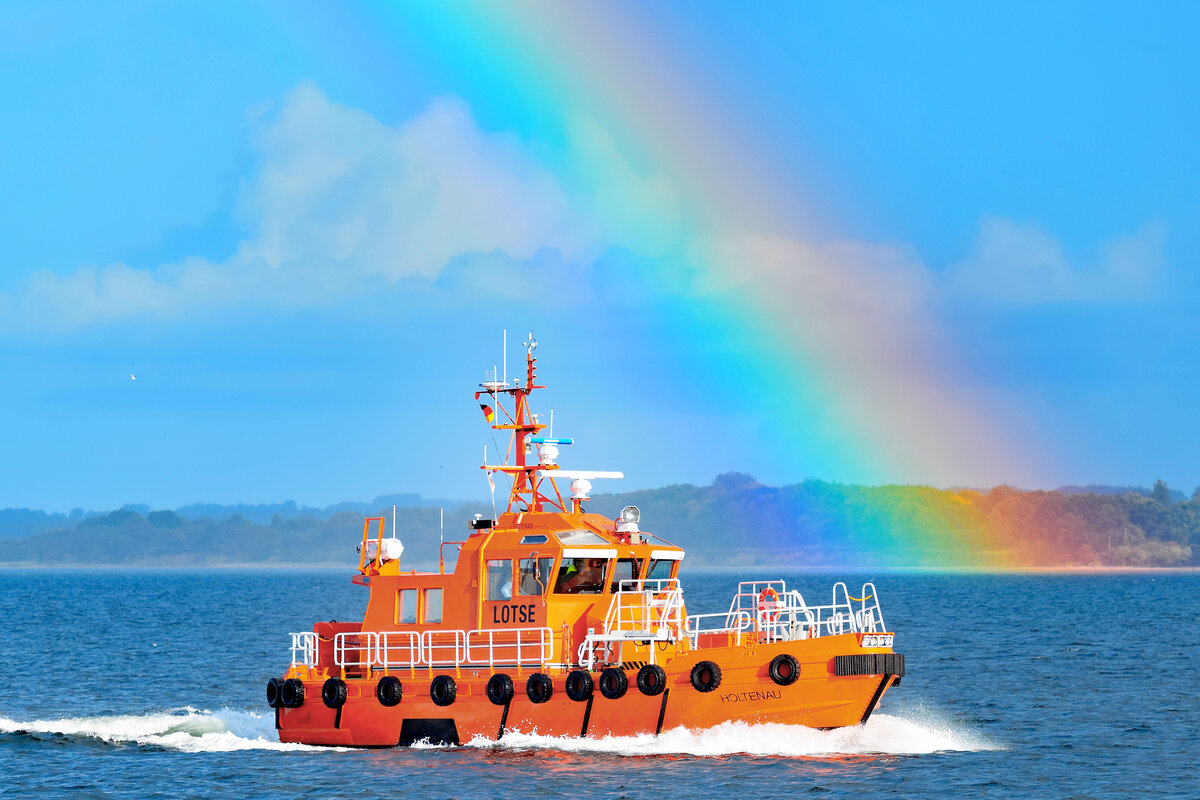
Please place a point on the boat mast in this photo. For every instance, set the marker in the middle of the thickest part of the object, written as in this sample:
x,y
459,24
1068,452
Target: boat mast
x,y
526,486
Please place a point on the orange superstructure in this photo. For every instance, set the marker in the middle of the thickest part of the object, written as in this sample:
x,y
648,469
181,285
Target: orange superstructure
x,y
563,622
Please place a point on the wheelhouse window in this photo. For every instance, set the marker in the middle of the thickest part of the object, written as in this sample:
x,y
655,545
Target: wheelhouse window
x,y
626,570
499,579
660,569
433,606
573,538
581,576
406,606
533,574
535,538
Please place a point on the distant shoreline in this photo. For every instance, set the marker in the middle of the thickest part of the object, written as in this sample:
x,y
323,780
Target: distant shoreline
x,y
782,569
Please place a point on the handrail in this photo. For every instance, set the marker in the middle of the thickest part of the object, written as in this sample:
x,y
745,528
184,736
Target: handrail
x,y
363,560
362,643
304,649
735,625
410,638
544,644
442,556
640,611
457,645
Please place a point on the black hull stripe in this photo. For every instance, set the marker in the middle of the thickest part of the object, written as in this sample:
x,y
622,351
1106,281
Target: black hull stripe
x,y
662,712
504,718
875,698
587,715
337,720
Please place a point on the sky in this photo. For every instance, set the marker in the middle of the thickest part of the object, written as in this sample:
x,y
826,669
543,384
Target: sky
x,y
951,245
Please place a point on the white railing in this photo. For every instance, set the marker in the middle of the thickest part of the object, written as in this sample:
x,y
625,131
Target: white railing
x,y
304,649
779,613
399,649
720,622
444,648
510,646
640,610
356,649
392,649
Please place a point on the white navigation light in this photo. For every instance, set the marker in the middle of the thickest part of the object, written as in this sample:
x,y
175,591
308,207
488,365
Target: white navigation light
x,y
630,517
547,454
580,489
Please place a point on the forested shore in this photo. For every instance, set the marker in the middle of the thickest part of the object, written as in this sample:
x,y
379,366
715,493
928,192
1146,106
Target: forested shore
x,y
733,521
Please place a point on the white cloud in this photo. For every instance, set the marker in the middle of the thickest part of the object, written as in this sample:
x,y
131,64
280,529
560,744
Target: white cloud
x,y
340,199
1021,264
339,186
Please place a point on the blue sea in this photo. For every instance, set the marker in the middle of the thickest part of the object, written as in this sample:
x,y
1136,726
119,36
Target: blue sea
x,y
150,684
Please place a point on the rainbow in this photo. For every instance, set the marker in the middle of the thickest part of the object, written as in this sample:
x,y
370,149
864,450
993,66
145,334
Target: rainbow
x,y
829,334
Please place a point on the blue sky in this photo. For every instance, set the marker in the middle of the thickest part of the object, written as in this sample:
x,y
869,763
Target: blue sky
x,y
166,210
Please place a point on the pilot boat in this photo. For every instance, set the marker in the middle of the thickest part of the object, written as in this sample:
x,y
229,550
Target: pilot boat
x,y
558,621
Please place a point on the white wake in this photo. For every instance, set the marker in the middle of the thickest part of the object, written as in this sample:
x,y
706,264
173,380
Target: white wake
x,y
188,730
883,734
191,730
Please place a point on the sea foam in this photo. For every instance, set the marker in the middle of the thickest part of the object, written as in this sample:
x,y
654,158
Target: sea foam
x,y
185,729
193,730
882,734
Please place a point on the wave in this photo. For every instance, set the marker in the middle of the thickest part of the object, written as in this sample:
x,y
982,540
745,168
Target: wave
x,y
883,734
187,730
192,730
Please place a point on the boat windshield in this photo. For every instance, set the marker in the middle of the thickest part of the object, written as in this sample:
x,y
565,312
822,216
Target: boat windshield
x,y
533,575
580,537
660,569
626,570
581,576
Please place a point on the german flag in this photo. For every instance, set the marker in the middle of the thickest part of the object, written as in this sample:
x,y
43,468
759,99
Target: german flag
x,y
488,413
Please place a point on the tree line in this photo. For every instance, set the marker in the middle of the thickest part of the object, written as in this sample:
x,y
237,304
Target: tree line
x,y
734,520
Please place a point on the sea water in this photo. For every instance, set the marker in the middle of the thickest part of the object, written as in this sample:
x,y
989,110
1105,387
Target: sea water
x,y
151,684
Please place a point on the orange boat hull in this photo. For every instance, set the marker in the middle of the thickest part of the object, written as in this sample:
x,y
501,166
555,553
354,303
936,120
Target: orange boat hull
x,y
818,698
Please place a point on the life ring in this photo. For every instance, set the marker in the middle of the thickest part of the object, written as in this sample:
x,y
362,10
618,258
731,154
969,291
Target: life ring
x,y
443,690
784,669
768,605
613,683
651,680
292,693
500,689
579,685
389,691
539,687
275,693
333,693
706,676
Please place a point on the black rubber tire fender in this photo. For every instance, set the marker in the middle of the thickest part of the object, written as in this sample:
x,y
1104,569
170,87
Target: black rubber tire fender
x,y
500,689
292,693
613,683
784,669
579,685
275,693
333,693
539,687
706,676
443,690
389,691
651,680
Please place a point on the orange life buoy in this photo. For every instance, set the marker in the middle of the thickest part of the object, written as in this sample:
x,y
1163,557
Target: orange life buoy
x,y
768,605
